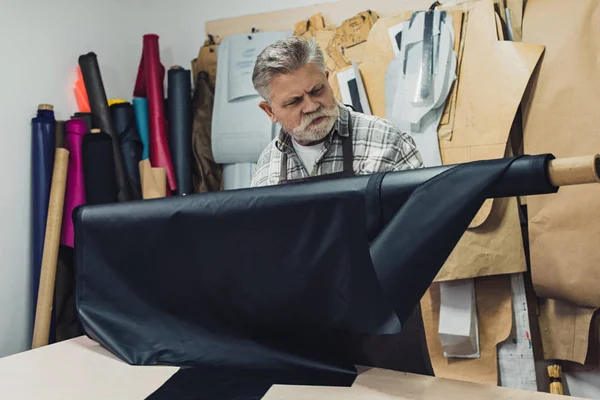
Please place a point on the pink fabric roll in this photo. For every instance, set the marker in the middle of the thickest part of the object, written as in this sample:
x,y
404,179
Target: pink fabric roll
x,y
149,83
75,129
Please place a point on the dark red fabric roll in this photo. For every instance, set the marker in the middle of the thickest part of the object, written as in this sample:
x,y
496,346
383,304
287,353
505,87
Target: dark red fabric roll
x,y
149,83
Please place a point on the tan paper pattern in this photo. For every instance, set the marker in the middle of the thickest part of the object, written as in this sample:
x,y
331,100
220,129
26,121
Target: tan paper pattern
x,y
493,78
560,116
494,313
565,330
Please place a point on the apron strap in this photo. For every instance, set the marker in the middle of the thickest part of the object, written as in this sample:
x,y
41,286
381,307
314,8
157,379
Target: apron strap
x,y
283,167
347,152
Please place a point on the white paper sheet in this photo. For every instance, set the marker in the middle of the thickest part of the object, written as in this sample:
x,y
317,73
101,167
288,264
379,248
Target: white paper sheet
x,y
458,327
240,129
243,50
346,76
237,176
396,37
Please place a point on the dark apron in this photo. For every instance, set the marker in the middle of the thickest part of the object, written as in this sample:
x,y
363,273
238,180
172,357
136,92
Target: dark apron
x,y
406,351
348,159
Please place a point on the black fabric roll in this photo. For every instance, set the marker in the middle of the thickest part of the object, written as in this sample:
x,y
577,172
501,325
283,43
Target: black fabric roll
x,y
129,139
179,115
272,278
67,325
102,119
87,117
99,169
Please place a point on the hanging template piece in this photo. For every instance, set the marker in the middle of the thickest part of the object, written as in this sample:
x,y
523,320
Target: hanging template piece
x,y
419,78
352,89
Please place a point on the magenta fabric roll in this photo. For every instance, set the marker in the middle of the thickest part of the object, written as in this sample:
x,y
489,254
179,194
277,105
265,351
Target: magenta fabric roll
x,y
75,129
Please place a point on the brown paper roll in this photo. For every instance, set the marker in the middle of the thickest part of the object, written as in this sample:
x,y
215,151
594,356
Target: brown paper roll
x,y
154,180
51,242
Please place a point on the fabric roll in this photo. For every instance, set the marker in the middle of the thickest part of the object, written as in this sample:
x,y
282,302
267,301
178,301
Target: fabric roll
x,y
87,117
43,144
99,168
296,286
75,129
140,105
180,126
116,101
206,173
129,139
149,84
66,322
102,119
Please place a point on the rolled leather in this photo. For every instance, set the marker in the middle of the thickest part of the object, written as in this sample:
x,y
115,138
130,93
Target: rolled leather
x,y
264,282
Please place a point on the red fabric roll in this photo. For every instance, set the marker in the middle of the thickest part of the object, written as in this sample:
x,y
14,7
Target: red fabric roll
x,y
149,83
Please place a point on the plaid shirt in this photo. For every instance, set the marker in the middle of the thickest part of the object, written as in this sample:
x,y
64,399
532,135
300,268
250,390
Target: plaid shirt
x,y
378,146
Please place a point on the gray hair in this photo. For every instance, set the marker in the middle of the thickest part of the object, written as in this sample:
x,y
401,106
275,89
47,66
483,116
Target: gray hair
x,y
284,57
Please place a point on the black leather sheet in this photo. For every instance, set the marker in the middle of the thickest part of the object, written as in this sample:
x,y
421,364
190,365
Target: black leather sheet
x,y
267,281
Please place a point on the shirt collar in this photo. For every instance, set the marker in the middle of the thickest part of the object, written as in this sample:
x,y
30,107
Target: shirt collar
x,y
284,140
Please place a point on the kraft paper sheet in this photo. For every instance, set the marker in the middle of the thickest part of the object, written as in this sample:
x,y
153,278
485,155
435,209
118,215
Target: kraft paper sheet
x,y
494,313
493,77
154,180
561,116
565,330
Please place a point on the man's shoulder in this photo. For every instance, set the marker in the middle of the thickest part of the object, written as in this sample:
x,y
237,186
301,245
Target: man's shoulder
x,y
268,152
372,127
263,172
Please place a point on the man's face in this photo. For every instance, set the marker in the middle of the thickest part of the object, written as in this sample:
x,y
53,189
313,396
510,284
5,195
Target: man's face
x,y
303,103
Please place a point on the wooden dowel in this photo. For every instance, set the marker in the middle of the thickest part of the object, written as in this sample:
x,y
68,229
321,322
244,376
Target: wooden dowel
x,y
43,313
554,372
574,170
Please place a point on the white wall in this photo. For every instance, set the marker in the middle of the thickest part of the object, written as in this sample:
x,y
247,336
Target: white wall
x,y
40,42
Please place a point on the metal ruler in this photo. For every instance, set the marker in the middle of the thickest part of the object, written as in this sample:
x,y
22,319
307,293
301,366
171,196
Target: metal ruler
x,y
516,363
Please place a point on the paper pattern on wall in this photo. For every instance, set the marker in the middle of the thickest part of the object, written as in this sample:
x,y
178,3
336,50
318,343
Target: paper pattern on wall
x,y
352,90
495,246
309,27
494,311
565,330
484,116
425,63
560,115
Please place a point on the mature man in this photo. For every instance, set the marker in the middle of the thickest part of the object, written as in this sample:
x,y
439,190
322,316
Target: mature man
x,y
320,137
323,139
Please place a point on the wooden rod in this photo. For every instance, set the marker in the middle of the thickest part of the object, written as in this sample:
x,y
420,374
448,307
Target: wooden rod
x,y
574,170
554,372
43,312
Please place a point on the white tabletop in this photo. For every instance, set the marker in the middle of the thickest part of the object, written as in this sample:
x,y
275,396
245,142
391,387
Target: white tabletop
x,y
77,369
